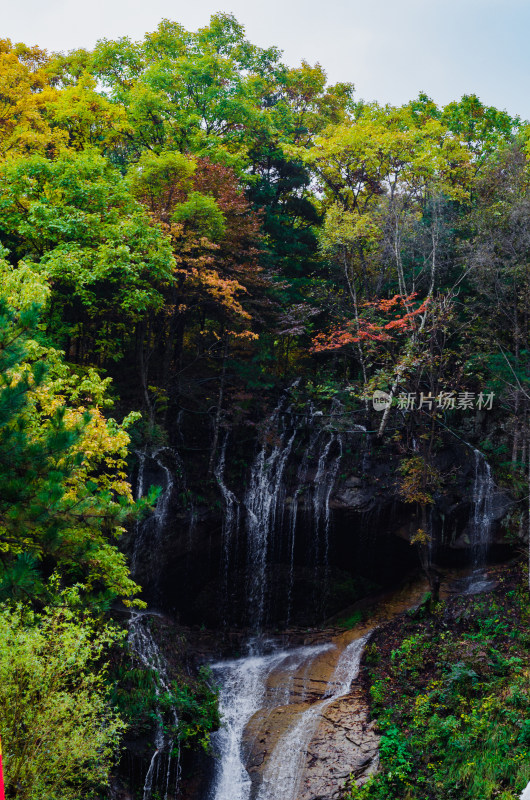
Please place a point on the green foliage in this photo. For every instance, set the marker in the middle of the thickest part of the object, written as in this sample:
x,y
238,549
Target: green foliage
x,y
453,707
351,621
153,174
185,219
198,710
64,494
60,735
202,214
75,220
409,657
140,699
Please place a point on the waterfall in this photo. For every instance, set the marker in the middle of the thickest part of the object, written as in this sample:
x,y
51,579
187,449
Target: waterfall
x,y
231,517
323,486
483,488
149,531
140,491
321,495
480,524
325,446
263,499
244,690
298,492
283,774
246,682
147,653
162,505
293,516
324,481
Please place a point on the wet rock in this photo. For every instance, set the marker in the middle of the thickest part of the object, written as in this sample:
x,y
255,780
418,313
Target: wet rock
x,y
345,745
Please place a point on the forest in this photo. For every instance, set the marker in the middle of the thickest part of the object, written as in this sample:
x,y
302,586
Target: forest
x,y
264,397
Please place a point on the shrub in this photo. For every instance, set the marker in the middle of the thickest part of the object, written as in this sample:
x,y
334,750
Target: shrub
x,y
60,735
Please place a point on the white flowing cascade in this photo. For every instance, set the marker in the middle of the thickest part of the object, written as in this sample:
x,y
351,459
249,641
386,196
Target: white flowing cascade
x,y
263,500
243,692
301,480
147,654
152,527
323,486
231,516
483,488
244,681
315,498
283,774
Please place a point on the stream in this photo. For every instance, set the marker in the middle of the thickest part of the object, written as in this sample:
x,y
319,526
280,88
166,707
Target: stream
x,y
295,725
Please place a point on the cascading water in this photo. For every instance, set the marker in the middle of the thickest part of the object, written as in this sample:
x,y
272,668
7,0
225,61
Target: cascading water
x,y
323,486
148,655
481,523
321,496
263,505
231,516
483,488
312,493
149,531
298,495
284,770
140,491
243,692
144,648
263,500
245,682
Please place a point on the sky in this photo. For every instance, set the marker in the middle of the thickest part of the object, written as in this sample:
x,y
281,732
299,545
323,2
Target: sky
x,y
390,49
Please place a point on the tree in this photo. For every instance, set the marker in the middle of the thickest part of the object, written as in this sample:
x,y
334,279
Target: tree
x,y
75,220
60,736
64,493
25,92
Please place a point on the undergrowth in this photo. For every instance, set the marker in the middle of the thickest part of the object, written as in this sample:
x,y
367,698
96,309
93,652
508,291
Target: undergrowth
x,y
450,691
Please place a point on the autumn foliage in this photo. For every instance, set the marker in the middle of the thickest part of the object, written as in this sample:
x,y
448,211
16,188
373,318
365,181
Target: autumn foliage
x,y
371,328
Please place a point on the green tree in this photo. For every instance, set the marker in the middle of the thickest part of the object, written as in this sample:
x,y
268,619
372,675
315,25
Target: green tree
x,y
75,220
60,735
64,495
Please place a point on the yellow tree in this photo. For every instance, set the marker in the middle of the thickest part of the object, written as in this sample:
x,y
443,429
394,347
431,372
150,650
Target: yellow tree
x,y
379,176
25,93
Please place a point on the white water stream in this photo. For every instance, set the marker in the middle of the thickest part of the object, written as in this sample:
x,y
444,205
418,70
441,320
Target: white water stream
x,y
246,682
243,693
263,501
481,523
231,518
483,488
147,653
246,689
283,773
149,530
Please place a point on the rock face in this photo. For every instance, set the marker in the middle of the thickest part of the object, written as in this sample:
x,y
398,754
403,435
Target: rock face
x,y
345,744
342,745
309,747
335,527
312,734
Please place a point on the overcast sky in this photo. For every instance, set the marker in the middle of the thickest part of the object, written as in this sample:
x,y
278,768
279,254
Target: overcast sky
x,y
390,49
